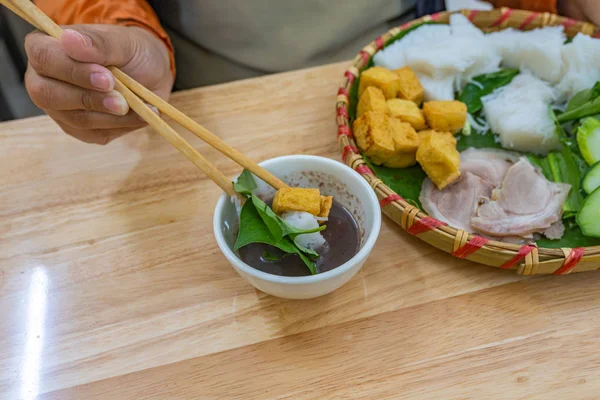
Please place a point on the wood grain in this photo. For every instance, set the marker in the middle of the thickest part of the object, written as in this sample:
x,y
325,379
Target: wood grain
x,y
107,254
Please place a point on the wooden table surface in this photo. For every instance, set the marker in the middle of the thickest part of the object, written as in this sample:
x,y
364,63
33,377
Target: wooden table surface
x,y
112,285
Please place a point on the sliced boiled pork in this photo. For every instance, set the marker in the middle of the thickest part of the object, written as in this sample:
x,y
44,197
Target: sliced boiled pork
x,y
524,204
482,170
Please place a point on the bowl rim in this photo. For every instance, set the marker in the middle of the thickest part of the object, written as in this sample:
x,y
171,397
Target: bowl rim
x,y
526,259
361,255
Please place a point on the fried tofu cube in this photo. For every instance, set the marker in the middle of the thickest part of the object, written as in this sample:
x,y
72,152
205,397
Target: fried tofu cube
x,y
410,86
382,78
371,100
446,115
373,135
297,199
407,111
429,132
439,158
406,143
326,204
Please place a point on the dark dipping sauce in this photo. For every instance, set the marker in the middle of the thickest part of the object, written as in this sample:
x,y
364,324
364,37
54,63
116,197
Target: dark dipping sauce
x,y
343,242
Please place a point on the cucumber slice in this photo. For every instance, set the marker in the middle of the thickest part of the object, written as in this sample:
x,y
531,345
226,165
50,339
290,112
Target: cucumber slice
x,y
588,139
591,180
588,218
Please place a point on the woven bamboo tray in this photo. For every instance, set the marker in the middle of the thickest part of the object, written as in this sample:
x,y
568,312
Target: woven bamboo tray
x,y
527,260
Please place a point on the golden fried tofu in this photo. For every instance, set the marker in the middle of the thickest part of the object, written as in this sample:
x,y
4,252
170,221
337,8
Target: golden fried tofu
x,y
406,143
373,135
382,78
407,111
447,115
326,204
371,100
429,132
410,86
297,199
439,158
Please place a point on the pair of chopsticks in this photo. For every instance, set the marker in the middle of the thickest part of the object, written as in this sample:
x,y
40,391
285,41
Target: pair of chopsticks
x,y
131,89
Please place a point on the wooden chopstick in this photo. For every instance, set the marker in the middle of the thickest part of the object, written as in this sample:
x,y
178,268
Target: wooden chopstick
x,y
129,87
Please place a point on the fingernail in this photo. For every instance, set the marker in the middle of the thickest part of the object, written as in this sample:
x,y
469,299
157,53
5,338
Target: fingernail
x,y
115,103
84,38
101,81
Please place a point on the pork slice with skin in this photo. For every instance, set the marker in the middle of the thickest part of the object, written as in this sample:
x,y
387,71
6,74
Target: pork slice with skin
x,y
482,170
456,204
524,204
491,165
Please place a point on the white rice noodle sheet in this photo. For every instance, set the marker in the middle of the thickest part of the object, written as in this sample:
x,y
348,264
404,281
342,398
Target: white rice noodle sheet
x,y
581,61
538,51
520,115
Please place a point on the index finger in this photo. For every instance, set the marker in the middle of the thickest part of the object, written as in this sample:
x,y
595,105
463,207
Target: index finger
x,y
49,59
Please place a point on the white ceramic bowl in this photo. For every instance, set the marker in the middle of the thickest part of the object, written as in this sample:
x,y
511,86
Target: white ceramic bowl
x,y
334,179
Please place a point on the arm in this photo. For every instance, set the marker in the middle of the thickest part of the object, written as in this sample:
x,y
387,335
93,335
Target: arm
x,y
68,78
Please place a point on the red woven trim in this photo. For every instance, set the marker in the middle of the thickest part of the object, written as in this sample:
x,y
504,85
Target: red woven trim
x,y
365,56
471,247
405,26
350,76
522,253
389,200
344,130
364,170
343,92
425,225
597,34
571,261
379,43
473,14
342,111
347,151
528,20
568,23
505,15
436,16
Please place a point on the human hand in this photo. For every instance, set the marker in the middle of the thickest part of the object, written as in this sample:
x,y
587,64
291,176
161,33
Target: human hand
x,y
583,10
68,78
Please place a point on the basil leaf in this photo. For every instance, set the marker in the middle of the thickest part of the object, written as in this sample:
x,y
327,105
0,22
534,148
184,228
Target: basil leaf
x,y
245,183
485,84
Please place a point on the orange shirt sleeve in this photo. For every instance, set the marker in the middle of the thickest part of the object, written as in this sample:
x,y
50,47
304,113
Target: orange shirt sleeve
x,y
532,5
117,12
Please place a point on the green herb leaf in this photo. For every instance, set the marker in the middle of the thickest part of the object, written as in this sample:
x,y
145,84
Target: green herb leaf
x,y
584,104
245,183
486,84
306,250
269,257
254,230
271,220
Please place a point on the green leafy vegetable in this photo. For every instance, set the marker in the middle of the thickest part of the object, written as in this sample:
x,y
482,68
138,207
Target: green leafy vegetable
x,y
260,224
584,104
270,257
245,183
254,230
486,84
271,220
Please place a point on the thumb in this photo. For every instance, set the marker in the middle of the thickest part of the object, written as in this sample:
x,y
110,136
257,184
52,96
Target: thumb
x,y
104,45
